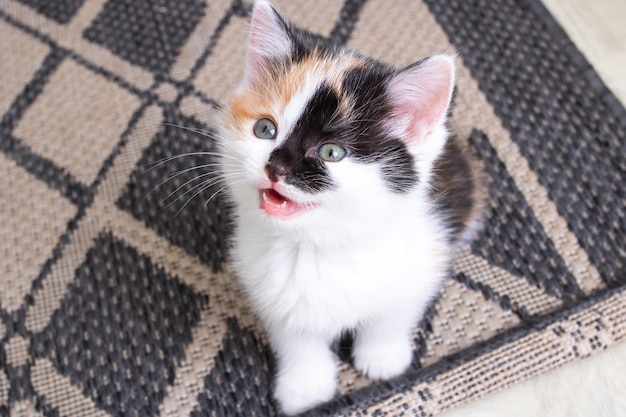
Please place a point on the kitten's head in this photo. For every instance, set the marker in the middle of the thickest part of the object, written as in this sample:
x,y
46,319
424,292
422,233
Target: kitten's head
x,y
316,132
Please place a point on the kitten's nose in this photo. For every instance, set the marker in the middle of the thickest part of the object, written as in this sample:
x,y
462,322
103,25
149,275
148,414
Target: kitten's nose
x,y
275,171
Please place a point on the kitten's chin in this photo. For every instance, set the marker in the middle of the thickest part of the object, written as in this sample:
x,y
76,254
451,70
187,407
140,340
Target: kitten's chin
x,y
277,205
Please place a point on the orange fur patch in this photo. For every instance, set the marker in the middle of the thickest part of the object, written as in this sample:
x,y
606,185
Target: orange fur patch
x,y
271,95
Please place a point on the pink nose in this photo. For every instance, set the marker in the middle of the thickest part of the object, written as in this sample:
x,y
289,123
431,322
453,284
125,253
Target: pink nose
x,y
275,172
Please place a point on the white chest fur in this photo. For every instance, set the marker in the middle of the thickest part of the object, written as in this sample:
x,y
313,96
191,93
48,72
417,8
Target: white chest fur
x,y
302,286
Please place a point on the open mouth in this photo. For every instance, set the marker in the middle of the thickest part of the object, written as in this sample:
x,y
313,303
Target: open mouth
x,y
276,204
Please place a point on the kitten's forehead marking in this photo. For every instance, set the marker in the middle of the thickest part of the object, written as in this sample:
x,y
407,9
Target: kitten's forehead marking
x,y
294,108
304,82
284,97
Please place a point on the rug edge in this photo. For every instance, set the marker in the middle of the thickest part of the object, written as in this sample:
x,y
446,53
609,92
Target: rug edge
x,y
381,392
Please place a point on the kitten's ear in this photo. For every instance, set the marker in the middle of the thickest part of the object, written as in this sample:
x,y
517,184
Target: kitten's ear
x,y
420,96
268,40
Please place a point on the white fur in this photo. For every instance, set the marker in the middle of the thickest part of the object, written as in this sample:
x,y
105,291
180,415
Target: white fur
x,y
354,262
364,258
421,95
361,258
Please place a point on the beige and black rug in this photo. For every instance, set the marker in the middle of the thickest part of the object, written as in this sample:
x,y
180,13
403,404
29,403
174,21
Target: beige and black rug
x,y
116,297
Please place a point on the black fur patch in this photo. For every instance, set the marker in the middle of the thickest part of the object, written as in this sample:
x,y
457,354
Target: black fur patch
x,y
297,157
453,186
370,141
361,132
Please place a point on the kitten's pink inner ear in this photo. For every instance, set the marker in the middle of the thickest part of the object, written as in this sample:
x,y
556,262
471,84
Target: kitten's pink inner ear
x,y
420,97
267,40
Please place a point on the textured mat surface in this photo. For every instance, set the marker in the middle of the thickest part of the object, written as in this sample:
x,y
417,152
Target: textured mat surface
x,y
116,297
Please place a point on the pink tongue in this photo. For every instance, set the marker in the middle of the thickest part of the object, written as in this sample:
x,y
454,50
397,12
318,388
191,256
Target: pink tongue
x,y
276,204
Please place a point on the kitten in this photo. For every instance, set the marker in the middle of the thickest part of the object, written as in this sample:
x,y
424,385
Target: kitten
x,y
350,201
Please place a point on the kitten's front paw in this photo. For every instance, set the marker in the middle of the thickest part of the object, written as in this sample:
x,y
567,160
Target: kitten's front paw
x,y
301,389
382,359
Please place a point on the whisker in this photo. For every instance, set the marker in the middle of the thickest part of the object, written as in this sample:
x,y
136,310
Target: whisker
x,y
176,174
221,177
206,203
183,155
203,187
202,132
207,186
215,164
185,184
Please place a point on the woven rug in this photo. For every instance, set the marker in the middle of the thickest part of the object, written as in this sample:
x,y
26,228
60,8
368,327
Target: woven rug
x,y
116,297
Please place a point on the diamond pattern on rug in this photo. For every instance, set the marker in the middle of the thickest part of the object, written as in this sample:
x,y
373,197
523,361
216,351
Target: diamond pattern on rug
x,y
121,329
110,325
25,216
513,238
310,16
517,293
463,318
61,11
170,195
240,380
27,55
346,23
558,117
230,47
68,120
149,34
16,351
57,396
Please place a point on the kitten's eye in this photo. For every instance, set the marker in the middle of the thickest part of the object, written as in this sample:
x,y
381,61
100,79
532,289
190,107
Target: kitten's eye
x,y
331,152
265,129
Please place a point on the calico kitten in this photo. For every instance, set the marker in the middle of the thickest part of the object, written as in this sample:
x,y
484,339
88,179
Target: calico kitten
x,y
350,201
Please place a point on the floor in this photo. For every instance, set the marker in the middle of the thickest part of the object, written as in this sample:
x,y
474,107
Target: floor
x,y
598,28
592,387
